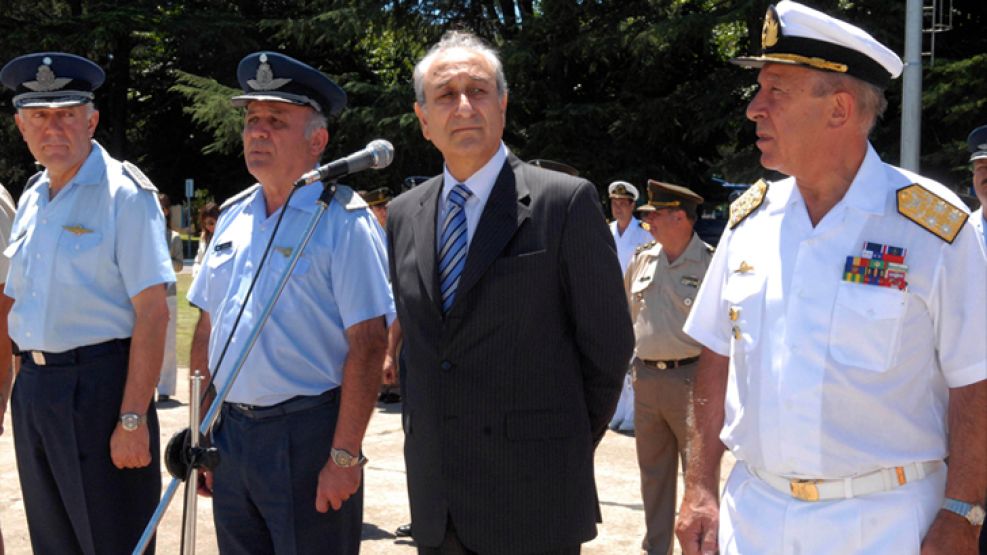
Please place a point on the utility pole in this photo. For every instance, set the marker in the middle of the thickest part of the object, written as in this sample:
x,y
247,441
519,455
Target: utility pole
x,y
911,104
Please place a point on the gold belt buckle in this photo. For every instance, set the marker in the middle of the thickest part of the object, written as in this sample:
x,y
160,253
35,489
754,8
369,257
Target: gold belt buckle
x,y
805,490
661,365
38,357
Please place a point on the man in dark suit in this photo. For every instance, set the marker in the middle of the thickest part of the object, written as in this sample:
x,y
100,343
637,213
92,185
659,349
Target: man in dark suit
x,y
516,328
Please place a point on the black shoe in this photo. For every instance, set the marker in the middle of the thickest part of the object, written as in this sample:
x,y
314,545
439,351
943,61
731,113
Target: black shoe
x,y
403,531
164,398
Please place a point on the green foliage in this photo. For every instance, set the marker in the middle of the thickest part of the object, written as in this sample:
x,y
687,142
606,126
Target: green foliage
x,y
629,89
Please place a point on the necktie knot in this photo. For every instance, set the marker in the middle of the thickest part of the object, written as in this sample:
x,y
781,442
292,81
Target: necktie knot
x,y
459,195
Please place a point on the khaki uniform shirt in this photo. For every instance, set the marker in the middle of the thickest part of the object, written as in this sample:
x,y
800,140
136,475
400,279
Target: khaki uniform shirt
x,y
660,296
7,210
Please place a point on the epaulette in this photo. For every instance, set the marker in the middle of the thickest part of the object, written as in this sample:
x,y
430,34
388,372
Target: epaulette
x,y
238,197
33,180
138,177
709,248
643,225
930,211
644,246
349,199
748,202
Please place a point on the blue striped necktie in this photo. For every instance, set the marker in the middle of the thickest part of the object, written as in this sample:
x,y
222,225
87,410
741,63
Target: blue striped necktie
x,y
452,248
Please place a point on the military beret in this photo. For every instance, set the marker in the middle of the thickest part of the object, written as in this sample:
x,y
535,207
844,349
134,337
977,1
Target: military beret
x,y
51,80
274,77
798,35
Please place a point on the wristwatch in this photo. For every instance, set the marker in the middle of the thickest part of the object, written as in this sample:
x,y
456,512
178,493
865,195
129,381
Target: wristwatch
x,y
345,459
969,511
130,421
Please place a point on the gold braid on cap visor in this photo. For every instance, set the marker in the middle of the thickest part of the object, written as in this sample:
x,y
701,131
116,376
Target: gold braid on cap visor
x,y
817,63
664,204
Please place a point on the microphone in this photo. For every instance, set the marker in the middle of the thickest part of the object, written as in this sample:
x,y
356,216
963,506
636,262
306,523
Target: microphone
x,y
378,154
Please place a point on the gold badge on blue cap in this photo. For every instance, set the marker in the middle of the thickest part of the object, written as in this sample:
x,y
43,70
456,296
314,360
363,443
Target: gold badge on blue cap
x,y
265,80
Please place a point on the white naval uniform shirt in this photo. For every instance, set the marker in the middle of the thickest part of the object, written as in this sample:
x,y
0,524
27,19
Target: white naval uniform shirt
x,y
633,237
829,378
979,224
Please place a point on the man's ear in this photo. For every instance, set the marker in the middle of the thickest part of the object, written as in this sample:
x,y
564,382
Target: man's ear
x,y
422,121
843,109
92,123
319,140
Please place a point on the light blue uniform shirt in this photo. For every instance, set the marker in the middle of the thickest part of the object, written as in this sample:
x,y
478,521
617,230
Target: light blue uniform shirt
x,y
76,260
340,280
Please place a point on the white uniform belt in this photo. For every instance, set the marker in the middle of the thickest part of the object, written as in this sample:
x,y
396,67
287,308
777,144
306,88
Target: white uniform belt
x,y
884,479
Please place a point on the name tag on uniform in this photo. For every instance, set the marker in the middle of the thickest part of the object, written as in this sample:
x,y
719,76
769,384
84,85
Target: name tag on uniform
x,y
223,246
690,281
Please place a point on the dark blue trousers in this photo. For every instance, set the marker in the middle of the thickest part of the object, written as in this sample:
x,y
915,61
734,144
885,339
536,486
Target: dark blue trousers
x,y
264,486
75,499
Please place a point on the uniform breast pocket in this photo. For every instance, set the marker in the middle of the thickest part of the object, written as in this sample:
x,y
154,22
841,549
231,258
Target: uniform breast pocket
x,y
76,258
866,326
744,295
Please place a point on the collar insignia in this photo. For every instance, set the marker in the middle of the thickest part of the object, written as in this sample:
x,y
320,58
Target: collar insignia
x,y
45,79
265,80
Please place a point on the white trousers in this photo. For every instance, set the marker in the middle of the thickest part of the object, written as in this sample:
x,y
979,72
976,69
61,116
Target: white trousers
x,y
169,366
757,519
623,416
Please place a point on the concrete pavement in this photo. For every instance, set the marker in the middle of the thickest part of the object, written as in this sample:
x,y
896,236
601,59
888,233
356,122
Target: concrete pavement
x,y
386,502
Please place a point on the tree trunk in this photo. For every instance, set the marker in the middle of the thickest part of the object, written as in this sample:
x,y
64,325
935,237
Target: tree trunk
x,y
118,79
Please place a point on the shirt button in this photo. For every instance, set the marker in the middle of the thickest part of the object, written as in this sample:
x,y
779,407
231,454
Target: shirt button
x,y
34,293
27,334
44,221
37,255
446,365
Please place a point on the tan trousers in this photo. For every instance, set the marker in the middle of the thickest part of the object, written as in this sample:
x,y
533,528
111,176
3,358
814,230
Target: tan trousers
x,y
661,408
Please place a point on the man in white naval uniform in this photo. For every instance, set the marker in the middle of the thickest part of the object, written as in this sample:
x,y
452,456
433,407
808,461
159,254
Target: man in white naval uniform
x,y
977,142
843,326
628,233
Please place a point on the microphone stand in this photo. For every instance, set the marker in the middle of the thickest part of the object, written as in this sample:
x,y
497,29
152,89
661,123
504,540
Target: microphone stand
x,y
194,456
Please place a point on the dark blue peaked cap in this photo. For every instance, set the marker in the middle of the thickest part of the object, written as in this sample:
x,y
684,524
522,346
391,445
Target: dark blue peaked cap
x,y
977,143
274,77
51,80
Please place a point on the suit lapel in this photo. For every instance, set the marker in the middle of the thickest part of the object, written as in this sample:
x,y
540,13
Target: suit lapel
x,y
505,211
425,238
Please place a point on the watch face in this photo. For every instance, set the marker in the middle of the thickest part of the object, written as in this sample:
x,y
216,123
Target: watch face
x,y
976,515
342,458
130,422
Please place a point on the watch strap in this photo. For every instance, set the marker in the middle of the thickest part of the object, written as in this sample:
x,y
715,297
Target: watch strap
x,y
974,514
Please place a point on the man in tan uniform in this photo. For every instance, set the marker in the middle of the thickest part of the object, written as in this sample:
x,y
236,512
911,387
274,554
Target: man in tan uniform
x,y
661,283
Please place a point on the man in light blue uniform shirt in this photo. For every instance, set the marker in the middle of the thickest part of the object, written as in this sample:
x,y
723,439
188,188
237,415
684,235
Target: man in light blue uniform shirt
x,y
87,277
290,431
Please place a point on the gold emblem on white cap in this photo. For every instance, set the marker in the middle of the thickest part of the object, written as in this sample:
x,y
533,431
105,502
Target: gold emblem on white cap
x,y
45,79
769,32
265,80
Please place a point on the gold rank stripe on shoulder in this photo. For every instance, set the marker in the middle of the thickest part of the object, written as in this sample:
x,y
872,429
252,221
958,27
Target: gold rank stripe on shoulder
x,y
748,202
930,211
348,198
644,246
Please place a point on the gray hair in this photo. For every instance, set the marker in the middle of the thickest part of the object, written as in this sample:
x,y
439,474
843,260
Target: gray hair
x,y
317,120
869,98
453,40
90,109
